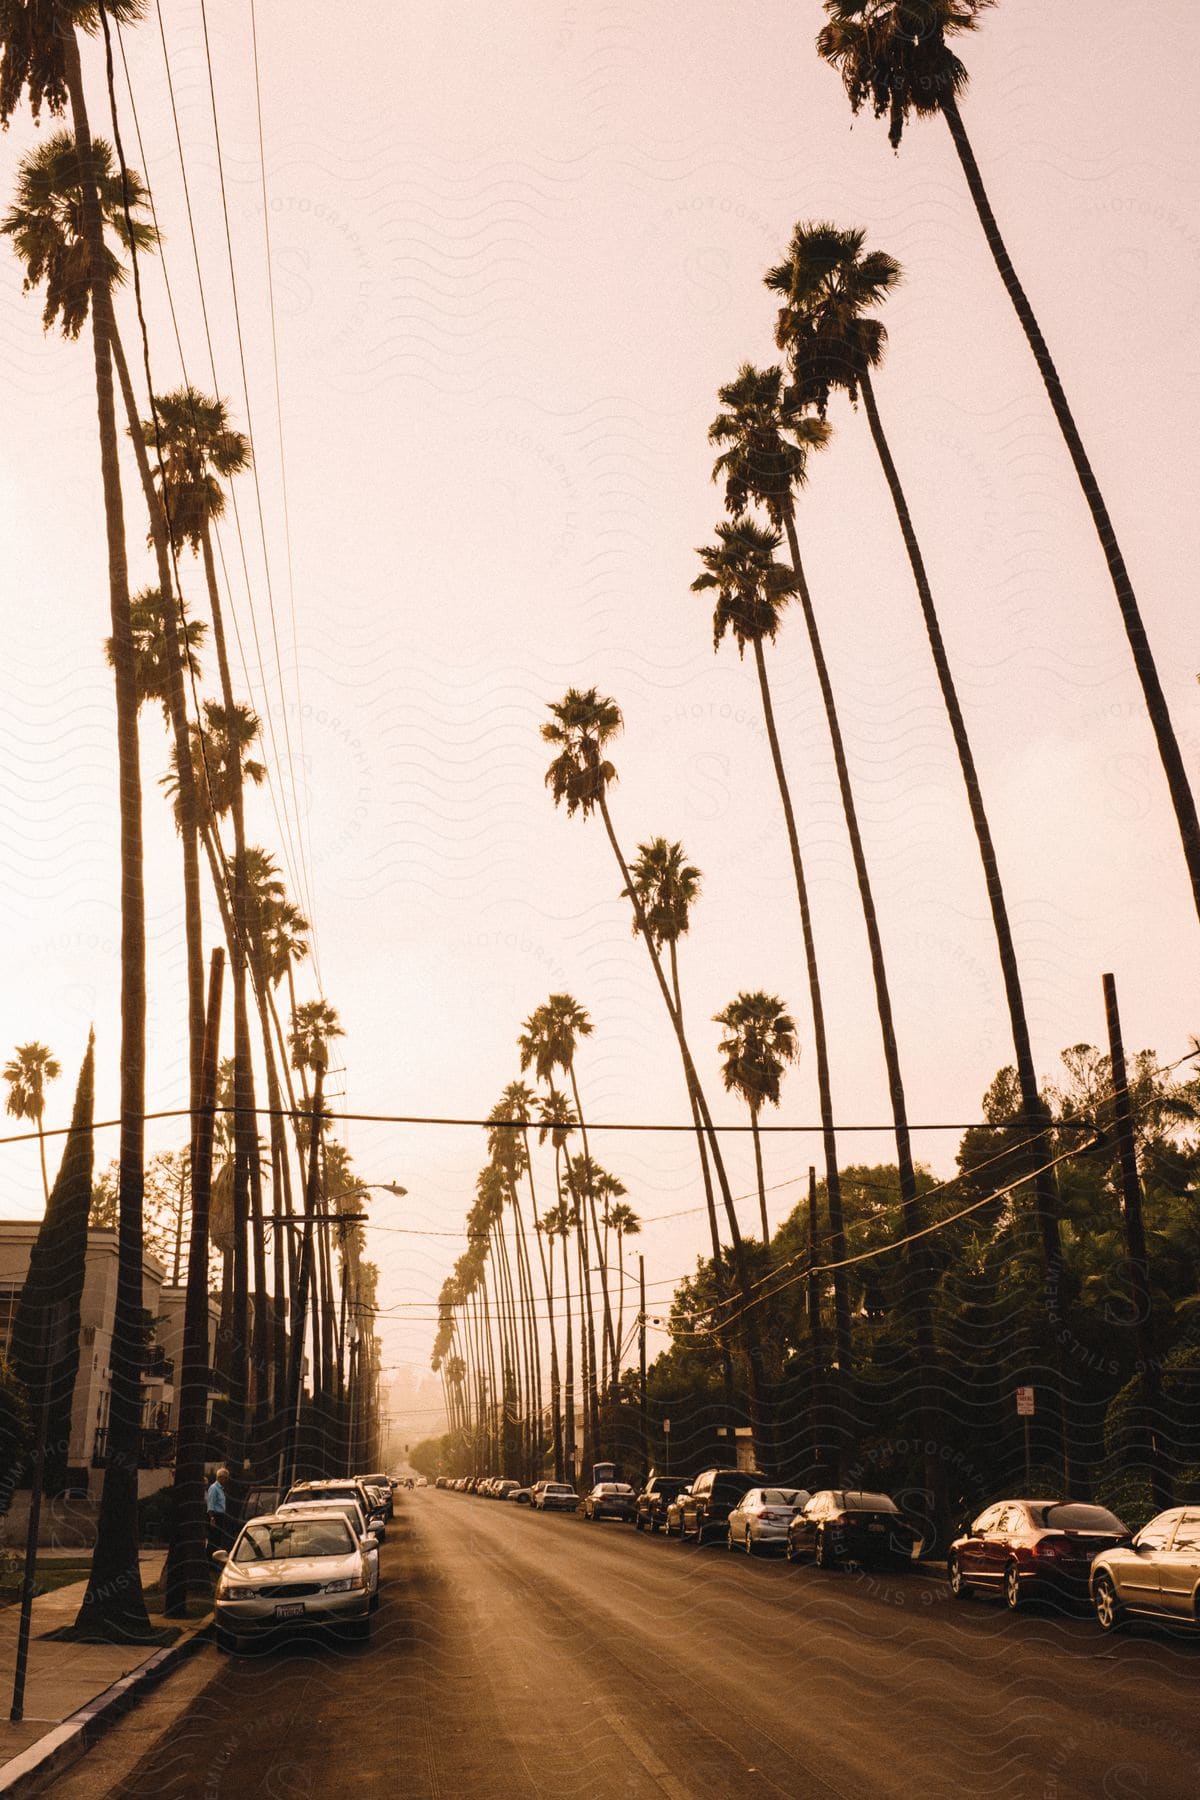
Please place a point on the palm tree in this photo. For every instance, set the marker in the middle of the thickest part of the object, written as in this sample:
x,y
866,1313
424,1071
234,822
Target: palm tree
x,y
314,1027
558,1222
27,1071
548,1042
625,1223
39,54
759,1043
583,725
509,1152
668,886
47,228
831,286
896,54
517,1102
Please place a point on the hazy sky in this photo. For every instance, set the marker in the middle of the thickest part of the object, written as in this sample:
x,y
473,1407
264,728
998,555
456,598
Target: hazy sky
x,y
514,253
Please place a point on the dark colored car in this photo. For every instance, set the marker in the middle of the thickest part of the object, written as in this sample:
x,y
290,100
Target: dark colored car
x,y
1156,1576
650,1512
1021,1548
705,1507
840,1525
610,1500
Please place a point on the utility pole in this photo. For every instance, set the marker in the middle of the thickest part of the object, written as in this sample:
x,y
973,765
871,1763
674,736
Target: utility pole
x,y
1148,1410
296,1366
642,1363
186,1565
816,1336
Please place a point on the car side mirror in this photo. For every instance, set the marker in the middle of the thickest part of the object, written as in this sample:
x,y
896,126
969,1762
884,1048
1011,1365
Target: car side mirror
x,y
369,1542
220,1556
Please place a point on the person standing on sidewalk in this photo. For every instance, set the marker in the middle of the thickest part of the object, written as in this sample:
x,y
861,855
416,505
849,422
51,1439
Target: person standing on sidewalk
x,y
218,1512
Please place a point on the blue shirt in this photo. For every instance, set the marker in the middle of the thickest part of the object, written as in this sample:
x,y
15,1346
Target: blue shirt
x,y
215,1503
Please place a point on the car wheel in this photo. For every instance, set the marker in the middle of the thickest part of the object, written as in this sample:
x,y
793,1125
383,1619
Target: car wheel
x,y
638,1524
1013,1596
729,1543
821,1556
653,1527
749,1545
791,1554
958,1584
373,1602
1109,1611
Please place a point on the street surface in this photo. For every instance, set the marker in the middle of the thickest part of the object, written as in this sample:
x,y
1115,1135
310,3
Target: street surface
x,y
520,1654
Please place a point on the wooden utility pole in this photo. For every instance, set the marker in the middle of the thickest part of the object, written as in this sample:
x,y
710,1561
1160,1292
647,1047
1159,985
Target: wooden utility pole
x,y
296,1366
1149,1408
186,1564
642,1363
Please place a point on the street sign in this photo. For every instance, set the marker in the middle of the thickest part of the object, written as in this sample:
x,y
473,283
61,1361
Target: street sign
x,y
1025,1406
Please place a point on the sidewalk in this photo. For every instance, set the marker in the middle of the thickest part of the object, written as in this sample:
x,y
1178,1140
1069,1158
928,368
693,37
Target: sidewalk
x,y
68,1686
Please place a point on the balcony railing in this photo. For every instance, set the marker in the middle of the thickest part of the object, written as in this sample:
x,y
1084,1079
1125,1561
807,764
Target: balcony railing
x,y
156,1449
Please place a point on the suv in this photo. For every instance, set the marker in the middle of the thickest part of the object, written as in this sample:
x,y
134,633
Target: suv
x,y
654,1499
705,1508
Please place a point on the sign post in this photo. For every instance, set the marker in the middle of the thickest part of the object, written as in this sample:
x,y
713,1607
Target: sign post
x,y
1025,1412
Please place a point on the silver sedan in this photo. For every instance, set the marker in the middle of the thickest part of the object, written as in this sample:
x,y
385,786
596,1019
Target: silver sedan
x,y
761,1518
1157,1575
286,1572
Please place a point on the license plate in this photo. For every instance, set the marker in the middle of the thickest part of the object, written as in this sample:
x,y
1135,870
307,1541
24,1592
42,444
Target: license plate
x,y
290,1612
876,1527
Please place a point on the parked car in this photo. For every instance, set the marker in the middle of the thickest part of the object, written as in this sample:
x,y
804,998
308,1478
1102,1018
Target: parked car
x,y
352,1512
556,1496
843,1525
706,1505
347,1488
384,1485
610,1500
521,1496
302,1571
673,1522
503,1490
1022,1548
1156,1576
761,1518
650,1511
422,1481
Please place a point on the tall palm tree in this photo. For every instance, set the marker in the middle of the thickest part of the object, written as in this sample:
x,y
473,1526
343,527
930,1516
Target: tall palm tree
x,y
668,886
896,53
759,1042
548,1041
831,286
47,229
557,1224
27,1071
39,55
582,726
509,1151
625,1223
517,1102
556,1119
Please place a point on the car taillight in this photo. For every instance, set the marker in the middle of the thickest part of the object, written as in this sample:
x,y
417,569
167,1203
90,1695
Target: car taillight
x,y
1052,1547
775,1517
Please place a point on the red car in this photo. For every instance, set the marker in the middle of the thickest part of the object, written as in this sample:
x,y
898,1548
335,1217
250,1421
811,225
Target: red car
x,y
1023,1548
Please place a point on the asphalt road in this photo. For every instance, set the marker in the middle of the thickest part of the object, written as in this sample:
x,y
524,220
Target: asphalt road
x,y
516,1654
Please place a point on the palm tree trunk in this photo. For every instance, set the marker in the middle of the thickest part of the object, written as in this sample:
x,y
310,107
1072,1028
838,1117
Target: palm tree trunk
x,y
548,1284
1035,1120
1182,797
833,1183
609,1346
114,1602
758,1175
761,1421
718,1263
189,815
569,1408
533,1352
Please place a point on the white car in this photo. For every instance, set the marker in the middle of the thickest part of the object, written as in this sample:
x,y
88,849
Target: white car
x,y
303,1571
761,1518
351,1511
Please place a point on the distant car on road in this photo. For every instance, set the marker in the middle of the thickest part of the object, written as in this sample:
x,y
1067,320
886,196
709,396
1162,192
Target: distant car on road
x,y
761,1518
306,1570
383,1483
610,1500
650,1512
1156,1576
1024,1548
705,1507
842,1525
556,1496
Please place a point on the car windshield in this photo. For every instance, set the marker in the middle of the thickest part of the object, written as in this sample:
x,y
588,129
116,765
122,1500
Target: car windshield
x,y
294,1537
783,1497
558,1487
1070,1517
349,1510
868,1503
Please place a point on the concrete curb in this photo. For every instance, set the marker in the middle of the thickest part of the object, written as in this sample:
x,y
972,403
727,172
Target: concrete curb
x,y
64,1744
